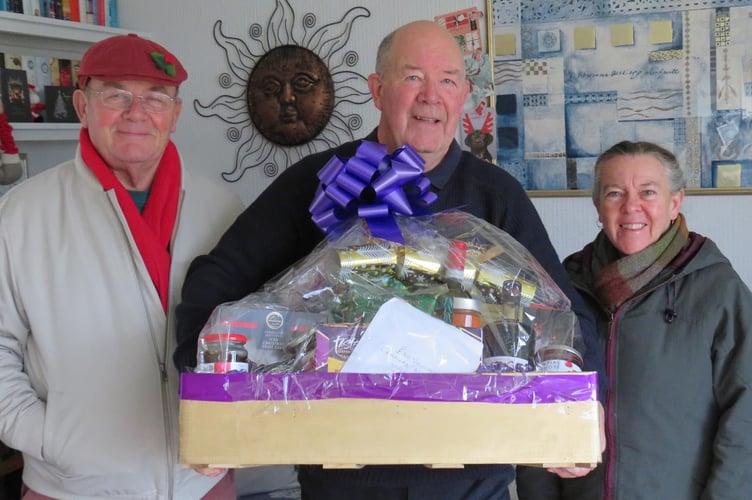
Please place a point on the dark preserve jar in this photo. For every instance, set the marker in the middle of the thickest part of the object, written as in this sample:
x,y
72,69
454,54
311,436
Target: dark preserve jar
x,y
222,353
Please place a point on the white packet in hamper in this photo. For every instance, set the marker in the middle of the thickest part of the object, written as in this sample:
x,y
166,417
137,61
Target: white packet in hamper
x,y
404,339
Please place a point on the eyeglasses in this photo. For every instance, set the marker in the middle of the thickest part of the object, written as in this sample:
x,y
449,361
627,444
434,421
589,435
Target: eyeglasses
x,y
119,99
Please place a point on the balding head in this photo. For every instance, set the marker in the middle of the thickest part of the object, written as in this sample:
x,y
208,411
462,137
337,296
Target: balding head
x,y
411,33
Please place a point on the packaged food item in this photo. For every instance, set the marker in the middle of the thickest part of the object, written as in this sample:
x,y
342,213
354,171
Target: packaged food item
x,y
559,358
466,313
222,353
335,343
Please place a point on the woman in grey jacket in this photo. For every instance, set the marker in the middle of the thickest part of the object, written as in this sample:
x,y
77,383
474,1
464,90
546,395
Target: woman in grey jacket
x,y
673,317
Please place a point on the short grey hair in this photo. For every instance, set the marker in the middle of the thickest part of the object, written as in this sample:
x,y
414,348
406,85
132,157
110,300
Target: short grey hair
x,y
384,51
675,174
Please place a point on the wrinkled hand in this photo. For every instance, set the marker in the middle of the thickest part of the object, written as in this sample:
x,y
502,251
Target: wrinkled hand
x,y
572,472
209,471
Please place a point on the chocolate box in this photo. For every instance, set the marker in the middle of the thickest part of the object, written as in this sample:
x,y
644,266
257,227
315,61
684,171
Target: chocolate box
x,y
334,343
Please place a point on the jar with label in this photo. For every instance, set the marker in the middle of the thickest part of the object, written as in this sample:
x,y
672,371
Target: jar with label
x,y
222,353
466,313
559,358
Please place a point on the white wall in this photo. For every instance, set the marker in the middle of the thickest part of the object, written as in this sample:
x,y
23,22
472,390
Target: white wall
x,y
186,28
571,222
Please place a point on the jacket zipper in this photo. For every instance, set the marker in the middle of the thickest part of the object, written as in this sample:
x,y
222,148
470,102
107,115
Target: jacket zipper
x,y
166,403
608,493
161,360
611,354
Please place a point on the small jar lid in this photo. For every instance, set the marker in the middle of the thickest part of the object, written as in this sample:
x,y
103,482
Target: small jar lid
x,y
465,303
557,351
225,337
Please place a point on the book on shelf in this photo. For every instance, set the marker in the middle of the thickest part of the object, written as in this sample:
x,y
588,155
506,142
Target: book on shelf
x,y
44,75
14,92
13,6
51,8
75,66
66,10
101,12
55,71
75,11
112,13
90,11
30,66
66,72
59,102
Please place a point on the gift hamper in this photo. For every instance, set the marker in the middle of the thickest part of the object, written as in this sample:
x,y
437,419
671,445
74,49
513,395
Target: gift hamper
x,y
404,337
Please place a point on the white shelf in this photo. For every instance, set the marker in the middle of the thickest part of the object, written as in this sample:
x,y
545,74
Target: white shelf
x,y
26,26
40,36
33,132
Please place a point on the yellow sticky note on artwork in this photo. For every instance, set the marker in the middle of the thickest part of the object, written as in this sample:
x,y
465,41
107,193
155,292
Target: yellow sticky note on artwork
x,y
729,175
622,34
505,44
584,37
661,32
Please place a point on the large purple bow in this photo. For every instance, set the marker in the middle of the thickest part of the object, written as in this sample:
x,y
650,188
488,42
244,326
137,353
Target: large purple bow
x,y
372,185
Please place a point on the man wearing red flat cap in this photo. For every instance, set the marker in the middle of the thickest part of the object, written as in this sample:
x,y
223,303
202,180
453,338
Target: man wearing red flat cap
x,y
92,256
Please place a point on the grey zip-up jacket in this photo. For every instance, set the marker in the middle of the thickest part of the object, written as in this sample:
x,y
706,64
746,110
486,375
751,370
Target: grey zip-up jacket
x,y
88,391
679,363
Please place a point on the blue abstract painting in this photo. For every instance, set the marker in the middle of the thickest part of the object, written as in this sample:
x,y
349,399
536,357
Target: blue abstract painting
x,y
573,78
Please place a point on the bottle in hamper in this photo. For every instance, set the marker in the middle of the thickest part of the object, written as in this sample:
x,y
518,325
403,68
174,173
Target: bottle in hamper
x,y
505,344
457,306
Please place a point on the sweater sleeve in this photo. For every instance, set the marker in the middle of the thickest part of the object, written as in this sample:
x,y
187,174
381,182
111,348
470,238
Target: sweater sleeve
x,y
732,384
270,235
22,412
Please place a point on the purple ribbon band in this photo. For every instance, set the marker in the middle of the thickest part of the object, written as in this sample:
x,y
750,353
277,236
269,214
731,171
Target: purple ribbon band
x,y
374,186
519,388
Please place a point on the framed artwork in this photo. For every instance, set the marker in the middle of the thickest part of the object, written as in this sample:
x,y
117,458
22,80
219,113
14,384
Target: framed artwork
x,y
573,78
14,92
59,102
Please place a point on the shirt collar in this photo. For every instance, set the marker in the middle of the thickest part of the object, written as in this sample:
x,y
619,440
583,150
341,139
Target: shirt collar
x,y
441,174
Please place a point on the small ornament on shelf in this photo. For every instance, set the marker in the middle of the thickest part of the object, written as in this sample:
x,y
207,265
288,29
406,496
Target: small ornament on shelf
x,y
10,161
37,106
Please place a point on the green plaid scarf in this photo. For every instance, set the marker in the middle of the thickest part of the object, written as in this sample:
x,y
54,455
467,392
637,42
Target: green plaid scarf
x,y
618,277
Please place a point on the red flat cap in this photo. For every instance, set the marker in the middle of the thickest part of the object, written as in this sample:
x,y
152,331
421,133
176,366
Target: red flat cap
x,y
130,57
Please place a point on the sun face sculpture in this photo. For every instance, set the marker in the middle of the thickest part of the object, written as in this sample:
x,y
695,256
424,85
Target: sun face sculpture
x,y
286,89
290,95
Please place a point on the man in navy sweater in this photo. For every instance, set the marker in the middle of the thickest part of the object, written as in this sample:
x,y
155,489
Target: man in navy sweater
x,y
420,88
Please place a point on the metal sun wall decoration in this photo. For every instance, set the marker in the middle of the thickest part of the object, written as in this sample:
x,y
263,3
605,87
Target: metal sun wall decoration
x,y
573,78
286,88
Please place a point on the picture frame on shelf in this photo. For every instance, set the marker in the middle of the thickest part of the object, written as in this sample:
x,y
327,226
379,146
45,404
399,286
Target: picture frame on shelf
x,y
14,93
59,102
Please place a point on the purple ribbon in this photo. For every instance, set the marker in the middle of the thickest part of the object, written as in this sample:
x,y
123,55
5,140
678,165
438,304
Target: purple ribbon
x,y
517,388
374,186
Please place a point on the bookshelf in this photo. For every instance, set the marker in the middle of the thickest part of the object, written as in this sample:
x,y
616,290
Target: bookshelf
x,y
40,36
